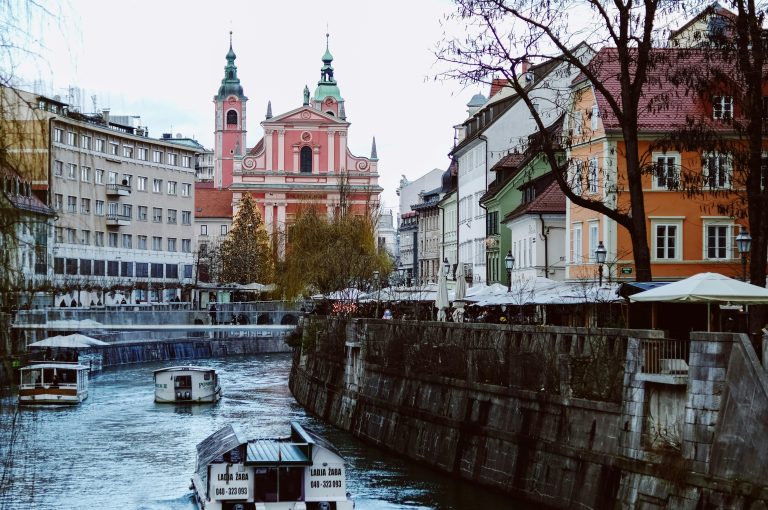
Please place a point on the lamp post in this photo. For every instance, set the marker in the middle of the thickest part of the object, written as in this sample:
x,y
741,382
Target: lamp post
x,y
600,253
743,244
447,267
509,263
376,281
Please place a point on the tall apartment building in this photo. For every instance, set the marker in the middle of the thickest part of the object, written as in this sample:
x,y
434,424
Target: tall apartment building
x,y
124,203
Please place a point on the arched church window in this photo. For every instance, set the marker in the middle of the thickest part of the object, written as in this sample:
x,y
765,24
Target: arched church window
x,y
305,164
232,117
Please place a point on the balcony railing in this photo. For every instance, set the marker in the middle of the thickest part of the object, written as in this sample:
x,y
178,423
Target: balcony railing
x,y
120,190
665,356
118,220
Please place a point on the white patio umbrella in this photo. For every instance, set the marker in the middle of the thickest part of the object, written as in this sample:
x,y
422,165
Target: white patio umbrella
x,y
705,288
461,283
441,302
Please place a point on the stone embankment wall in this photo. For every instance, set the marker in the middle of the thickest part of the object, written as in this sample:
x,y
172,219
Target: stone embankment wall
x,y
560,416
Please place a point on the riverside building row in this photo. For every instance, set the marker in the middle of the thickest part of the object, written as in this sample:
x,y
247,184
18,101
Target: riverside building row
x,y
499,197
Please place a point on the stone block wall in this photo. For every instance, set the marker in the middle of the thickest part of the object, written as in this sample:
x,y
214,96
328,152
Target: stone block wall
x,y
477,401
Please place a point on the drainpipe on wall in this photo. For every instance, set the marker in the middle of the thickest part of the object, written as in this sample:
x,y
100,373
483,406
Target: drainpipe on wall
x,y
545,237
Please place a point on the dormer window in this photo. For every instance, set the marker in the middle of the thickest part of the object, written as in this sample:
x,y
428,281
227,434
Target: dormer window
x,y
722,107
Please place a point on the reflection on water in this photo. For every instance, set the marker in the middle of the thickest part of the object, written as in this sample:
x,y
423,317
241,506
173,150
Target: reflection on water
x,y
119,449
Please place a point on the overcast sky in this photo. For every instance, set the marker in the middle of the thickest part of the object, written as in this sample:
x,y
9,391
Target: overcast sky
x,y
164,60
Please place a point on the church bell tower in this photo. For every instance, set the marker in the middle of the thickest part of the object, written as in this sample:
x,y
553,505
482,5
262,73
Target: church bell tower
x,y
230,122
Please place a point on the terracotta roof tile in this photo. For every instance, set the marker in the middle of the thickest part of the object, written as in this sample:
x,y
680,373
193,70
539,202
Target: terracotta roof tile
x,y
667,102
213,203
550,201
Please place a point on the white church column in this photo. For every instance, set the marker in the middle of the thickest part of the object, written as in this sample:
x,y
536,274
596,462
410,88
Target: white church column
x,y
296,159
269,217
316,159
268,147
331,146
343,150
281,150
282,227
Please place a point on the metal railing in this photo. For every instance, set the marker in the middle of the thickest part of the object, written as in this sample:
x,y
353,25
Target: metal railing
x,y
664,356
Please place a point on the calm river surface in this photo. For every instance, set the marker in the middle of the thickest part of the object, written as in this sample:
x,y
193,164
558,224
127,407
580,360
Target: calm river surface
x,y
120,450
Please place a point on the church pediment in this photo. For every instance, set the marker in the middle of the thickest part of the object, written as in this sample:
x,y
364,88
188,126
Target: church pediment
x,y
305,114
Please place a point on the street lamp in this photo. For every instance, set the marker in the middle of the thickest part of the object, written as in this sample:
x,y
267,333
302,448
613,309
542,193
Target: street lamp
x,y
600,253
743,244
447,267
376,281
509,263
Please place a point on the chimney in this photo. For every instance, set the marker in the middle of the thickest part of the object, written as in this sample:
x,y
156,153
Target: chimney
x,y
105,115
167,136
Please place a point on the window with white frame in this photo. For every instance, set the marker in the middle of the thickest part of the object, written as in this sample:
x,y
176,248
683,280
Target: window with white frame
x,y
71,204
185,161
157,243
172,159
112,208
112,239
85,142
99,176
171,216
171,187
127,179
577,181
223,230
722,107
58,202
667,236
142,213
186,245
112,177
85,174
99,210
127,151
592,175
70,138
58,134
157,157
85,205
157,214
142,242
203,230
141,183
716,168
595,116
718,237
127,241
577,253
142,153
157,185
594,233
171,244
98,238
186,189
186,217
113,148
100,147
58,168
666,170
72,171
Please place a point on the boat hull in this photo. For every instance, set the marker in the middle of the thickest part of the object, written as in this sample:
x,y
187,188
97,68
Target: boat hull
x,y
163,398
51,396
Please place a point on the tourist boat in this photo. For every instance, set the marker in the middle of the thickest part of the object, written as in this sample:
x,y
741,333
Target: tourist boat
x,y
298,472
187,384
54,382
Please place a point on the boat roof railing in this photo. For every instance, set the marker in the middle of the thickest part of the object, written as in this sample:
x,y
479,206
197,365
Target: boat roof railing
x,y
191,368
70,365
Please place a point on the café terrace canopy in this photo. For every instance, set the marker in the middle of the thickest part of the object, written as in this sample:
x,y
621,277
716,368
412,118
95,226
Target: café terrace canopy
x,y
705,288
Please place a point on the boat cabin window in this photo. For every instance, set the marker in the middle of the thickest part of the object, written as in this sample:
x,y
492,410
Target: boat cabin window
x,y
31,377
207,376
183,381
267,489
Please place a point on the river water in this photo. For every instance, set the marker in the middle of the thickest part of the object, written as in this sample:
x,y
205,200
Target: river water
x,y
121,450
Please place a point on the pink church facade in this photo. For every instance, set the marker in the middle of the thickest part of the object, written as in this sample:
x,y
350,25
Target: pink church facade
x,y
302,158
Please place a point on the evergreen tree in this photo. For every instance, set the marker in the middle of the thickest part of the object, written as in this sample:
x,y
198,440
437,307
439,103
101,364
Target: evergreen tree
x,y
246,253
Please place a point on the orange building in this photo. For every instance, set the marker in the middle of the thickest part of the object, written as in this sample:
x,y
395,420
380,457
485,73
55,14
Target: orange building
x,y
688,234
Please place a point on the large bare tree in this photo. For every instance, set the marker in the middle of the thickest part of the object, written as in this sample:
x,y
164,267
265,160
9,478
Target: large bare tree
x,y
502,36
